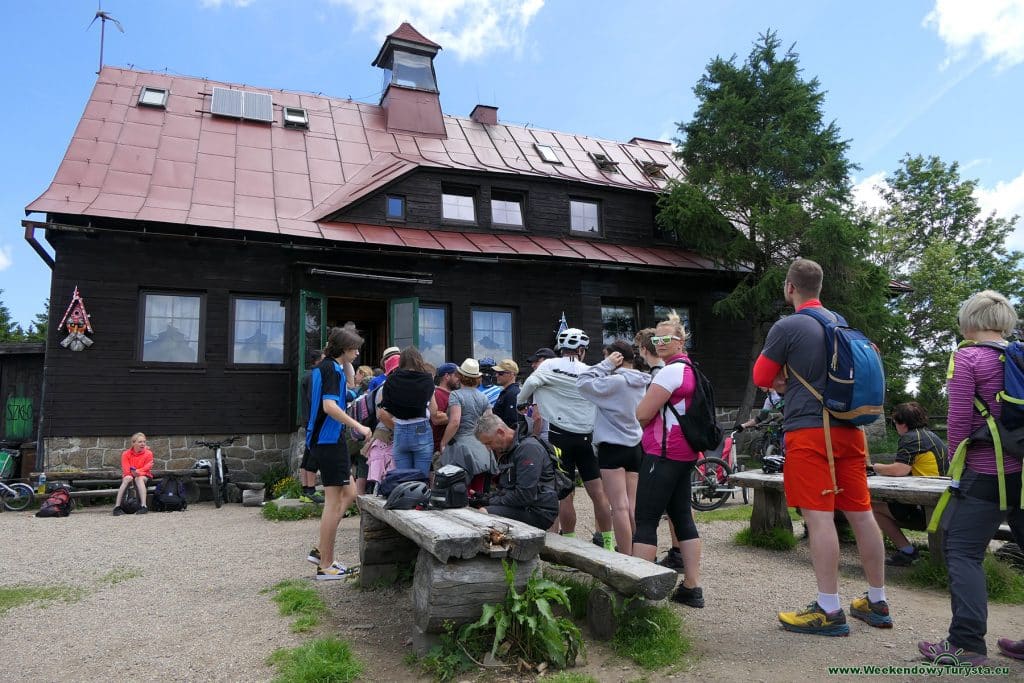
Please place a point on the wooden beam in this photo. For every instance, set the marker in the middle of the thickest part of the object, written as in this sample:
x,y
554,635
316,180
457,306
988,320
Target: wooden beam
x,y
628,575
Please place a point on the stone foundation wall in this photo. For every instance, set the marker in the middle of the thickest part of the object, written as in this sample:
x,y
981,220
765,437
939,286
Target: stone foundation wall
x,y
248,459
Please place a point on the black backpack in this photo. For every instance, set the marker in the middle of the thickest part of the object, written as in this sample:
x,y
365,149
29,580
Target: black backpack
x,y
170,495
700,423
450,488
130,503
58,504
562,484
399,476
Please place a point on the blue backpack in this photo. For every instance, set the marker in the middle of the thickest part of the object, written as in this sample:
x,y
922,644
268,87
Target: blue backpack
x,y
855,387
399,476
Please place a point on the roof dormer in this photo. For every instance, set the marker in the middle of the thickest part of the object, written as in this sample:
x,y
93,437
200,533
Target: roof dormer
x,y
411,101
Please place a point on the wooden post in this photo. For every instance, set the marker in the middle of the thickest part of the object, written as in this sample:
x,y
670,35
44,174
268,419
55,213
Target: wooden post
x,y
382,551
770,511
605,608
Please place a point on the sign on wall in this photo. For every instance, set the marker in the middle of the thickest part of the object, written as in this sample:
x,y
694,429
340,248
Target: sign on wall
x,y
18,418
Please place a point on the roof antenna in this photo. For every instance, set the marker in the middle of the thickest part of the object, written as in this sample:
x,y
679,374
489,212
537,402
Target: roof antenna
x,y
103,17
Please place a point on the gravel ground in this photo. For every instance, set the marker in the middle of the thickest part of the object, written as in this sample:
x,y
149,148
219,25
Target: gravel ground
x,y
194,612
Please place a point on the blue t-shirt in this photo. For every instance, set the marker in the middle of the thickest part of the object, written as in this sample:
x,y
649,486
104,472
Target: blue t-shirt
x,y
326,382
491,393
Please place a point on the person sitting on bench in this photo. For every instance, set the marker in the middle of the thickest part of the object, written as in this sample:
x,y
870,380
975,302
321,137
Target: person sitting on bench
x,y
136,470
920,453
526,476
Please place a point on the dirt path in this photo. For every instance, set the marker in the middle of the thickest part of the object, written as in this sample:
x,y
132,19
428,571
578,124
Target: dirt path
x,y
194,612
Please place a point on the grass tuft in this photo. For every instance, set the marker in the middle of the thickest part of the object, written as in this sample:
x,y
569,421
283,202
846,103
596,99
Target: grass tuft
x,y
733,513
327,660
577,589
120,575
568,677
652,637
1005,585
274,513
774,539
297,598
16,596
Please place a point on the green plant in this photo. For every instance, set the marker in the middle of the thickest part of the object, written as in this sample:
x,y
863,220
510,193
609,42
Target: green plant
x,y
276,513
286,488
16,596
295,597
451,656
272,476
651,636
1004,584
577,589
120,574
525,626
327,660
884,444
773,539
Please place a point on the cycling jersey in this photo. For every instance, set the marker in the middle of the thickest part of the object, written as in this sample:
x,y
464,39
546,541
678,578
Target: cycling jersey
x,y
561,403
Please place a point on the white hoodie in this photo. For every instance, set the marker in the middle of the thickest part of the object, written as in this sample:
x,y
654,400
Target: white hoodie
x,y
554,382
616,392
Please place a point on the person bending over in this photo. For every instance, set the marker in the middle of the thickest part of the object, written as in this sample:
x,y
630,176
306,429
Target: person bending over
x,y
136,470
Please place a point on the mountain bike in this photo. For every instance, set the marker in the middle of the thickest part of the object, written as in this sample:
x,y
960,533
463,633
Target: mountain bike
x,y
218,470
709,479
16,497
771,441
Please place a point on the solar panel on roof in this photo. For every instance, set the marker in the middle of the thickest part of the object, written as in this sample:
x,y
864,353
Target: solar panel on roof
x,y
242,104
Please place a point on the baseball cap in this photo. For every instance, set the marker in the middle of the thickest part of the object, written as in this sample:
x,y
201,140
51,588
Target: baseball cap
x,y
542,352
507,365
446,369
486,361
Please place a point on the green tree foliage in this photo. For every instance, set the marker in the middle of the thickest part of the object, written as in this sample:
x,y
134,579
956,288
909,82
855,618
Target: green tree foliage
x,y
768,181
40,324
931,234
11,331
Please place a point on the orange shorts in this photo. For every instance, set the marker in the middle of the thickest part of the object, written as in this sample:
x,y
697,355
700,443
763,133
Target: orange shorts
x,y
806,474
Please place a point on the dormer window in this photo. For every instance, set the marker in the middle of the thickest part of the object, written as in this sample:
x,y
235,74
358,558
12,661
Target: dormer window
x,y
413,71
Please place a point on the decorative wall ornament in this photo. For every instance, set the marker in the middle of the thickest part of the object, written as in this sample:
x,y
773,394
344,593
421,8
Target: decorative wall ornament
x,y
77,321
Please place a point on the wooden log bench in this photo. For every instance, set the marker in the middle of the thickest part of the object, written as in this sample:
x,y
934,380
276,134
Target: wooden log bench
x,y
625,581
770,510
458,558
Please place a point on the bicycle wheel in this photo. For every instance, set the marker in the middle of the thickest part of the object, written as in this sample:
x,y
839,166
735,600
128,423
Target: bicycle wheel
x,y
217,483
21,498
739,468
707,476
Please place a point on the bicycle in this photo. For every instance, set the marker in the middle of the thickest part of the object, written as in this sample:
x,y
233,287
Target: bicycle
x,y
16,497
709,479
771,441
217,469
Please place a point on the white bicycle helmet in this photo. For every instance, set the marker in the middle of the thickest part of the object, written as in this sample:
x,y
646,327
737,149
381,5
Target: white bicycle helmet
x,y
572,338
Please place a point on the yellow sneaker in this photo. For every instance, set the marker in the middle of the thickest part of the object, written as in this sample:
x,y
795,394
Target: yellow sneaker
x,y
814,620
874,613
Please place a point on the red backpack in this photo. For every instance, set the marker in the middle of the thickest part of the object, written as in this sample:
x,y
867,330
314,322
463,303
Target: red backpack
x,y
58,504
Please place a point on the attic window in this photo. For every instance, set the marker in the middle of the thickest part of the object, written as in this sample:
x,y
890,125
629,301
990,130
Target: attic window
x,y
153,97
547,153
653,168
295,117
604,162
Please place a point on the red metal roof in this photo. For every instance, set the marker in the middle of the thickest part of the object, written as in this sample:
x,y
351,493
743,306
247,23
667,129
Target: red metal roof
x,y
180,165
407,32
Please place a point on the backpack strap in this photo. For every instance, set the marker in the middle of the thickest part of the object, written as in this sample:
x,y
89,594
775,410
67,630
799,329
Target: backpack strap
x,y
668,406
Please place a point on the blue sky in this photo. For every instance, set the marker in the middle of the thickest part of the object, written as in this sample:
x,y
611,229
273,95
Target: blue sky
x,y
943,77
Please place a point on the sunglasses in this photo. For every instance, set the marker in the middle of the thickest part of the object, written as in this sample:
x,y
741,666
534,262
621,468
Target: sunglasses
x,y
503,372
668,338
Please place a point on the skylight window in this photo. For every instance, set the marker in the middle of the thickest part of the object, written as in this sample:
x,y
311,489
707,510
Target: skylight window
x,y
153,97
653,168
295,117
547,153
604,162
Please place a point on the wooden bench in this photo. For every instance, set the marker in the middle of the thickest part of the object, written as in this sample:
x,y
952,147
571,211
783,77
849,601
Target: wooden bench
x,y
105,483
770,510
623,579
457,554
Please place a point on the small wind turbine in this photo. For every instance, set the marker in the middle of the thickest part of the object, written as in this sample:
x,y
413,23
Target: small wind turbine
x,y
104,17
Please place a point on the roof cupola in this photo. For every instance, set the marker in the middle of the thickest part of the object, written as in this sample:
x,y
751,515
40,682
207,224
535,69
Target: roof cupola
x,y
411,100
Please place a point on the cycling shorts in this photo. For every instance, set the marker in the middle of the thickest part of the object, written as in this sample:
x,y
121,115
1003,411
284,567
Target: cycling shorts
x,y
577,452
333,463
613,456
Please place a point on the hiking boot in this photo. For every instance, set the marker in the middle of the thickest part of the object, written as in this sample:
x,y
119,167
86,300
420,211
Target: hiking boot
x,y
871,613
118,511
902,559
597,539
814,620
944,653
142,510
317,498
334,572
314,556
673,560
1011,648
691,597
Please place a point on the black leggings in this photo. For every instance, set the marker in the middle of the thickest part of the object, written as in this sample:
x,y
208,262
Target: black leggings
x,y
664,485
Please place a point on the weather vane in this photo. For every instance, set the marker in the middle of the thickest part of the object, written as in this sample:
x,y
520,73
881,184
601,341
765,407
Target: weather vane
x,y
104,17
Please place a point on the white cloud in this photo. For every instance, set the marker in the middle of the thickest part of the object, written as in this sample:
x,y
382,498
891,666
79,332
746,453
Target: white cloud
x,y
468,28
866,191
5,257
1007,200
996,25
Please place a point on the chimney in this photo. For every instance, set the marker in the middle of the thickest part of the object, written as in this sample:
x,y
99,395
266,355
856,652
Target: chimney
x,y
411,101
484,114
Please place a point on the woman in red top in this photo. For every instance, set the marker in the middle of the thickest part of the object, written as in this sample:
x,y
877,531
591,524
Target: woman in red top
x,y
137,468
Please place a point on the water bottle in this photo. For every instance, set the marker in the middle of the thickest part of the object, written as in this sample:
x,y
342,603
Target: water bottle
x,y
41,489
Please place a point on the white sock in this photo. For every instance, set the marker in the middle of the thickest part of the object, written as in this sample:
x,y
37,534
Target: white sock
x,y
828,601
876,594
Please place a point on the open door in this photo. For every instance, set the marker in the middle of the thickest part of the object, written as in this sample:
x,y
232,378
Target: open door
x,y
313,318
404,318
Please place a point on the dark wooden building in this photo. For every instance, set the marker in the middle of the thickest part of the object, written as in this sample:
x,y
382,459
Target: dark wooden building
x,y
216,231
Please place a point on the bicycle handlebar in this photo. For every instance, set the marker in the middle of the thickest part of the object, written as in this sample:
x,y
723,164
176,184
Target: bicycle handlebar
x,y
217,444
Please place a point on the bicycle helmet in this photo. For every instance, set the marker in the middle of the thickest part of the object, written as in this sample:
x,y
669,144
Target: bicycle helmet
x,y
203,464
408,495
572,338
773,464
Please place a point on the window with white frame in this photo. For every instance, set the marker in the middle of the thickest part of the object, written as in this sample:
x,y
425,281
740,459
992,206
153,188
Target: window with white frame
x,y
584,216
507,208
492,333
257,336
171,327
458,205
